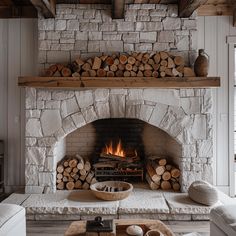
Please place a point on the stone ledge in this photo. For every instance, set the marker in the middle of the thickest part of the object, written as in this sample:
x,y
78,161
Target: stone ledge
x,y
74,205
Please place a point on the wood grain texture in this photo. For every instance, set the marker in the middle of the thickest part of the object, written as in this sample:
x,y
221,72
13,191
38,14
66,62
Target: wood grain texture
x,y
118,9
46,7
186,8
118,82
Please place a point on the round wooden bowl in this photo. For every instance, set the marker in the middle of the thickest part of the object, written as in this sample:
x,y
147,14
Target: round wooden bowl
x,y
123,190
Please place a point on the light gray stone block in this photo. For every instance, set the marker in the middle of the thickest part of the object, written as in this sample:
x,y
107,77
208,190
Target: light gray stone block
x,y
158,12
60,25
161,47
78,119
44,95
132,37
143,12
89,26
172,10
142,47
182,43
58,56
166,37
101,95
81,45
33,189
52,104
84,98
30,142
125,26
95,35
31,175
172,23
33,128
62,95
191,105
68,107
128,47
199,127
94,46
46,142
117,106
111,36
111,46
205,148
32,114
81,35
35,155
73,25
148,26
102,110
189,24
108,27
51,121
148,37
47,178
46,24
145,112
158,114
30,100
68,125
89,114
189,151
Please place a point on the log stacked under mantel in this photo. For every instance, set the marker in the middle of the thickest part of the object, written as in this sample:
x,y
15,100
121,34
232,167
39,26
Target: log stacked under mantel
x,y
162,175
74,173
157,65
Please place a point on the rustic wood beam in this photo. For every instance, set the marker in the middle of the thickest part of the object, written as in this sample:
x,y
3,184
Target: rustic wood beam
x,y
234,17
118,9
215,10
8,2
46,7
187,7
18,12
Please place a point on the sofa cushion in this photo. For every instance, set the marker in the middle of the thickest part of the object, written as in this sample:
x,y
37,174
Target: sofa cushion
x,y
203,192
9,211
225,218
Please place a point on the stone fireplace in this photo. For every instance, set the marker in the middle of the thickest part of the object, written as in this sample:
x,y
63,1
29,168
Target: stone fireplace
x,y
184,114
52,116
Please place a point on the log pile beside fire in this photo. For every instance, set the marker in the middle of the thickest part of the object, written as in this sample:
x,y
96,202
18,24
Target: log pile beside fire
x,y
157,65
74,173
162,175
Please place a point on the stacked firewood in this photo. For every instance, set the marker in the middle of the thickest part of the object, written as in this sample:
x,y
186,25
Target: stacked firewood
x,y
158,65
74,173
160,174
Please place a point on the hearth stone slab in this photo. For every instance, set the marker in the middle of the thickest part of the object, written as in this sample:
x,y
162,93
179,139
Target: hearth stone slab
x,y
180,203
66,202
155,216
143,201
16,198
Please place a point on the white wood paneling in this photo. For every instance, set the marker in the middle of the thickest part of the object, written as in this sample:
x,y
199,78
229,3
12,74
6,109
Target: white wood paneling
x,y
212,36
18,43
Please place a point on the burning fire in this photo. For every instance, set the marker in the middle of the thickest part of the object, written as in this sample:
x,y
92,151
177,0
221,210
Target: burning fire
x,y
118,150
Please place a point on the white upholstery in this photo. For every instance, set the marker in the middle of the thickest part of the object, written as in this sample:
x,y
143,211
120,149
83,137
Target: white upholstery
x,y
12,220
223,220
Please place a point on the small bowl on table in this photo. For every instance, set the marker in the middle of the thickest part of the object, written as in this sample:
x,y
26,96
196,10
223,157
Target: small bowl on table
x,y
111,190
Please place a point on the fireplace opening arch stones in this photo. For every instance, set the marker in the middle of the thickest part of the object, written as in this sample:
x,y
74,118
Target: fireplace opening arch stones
x,y
185,114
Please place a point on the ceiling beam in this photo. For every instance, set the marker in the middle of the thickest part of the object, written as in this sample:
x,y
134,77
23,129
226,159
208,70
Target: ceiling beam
x,y
118,9
187,7
234,16
215,10
46,7
18,12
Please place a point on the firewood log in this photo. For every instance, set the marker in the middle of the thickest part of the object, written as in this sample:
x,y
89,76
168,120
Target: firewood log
x,y
159,169
79,61
85,74
180,69
121,67
60,186
164,63
178,60
153,175
119,73
59,67
83,177
151,184
157,58
93,181
72,175
168,167
162,74
83,172
147,67
176,186
145,59
59,181
68,169
80,164
135,68
97,63
101,73
139,57
75,170
70,179
165,185
188,72
113,67
87,166
156,66
60,169
175,72
85,186
169,72
86,66
64,179
133,74
48,73
67,174
110,74
76,177
78,184
73,163
155,74
147,73
70,185
131,60
162,162
66,72
127,73
116,62
140,74
123,59
170,63
162,68
175,172
137,63
59,176
151,62
92,73
166,175
141,67
104,57
128,67
76,74
164,55
89,177
53,68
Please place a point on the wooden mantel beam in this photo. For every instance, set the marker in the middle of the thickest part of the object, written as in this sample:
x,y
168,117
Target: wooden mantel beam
x,y
118,9
234,17
46,7
187,7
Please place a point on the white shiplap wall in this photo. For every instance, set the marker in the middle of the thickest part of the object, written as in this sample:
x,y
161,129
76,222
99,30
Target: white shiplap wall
x,y
18,53
212,36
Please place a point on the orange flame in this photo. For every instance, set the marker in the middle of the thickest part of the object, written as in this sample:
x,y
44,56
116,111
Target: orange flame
x,y
118,150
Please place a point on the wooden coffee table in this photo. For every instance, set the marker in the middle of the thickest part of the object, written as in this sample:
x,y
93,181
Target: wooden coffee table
x,y
78,228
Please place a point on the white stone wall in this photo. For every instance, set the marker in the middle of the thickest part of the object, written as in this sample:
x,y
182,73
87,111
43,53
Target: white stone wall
x,y
185,114
88,30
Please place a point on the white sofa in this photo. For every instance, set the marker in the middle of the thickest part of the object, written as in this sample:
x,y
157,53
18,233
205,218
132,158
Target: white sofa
x,y
223,221
12,220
